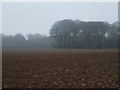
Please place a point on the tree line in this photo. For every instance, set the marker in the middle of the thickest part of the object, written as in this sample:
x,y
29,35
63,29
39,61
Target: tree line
x,y
69,34
27,41
79,34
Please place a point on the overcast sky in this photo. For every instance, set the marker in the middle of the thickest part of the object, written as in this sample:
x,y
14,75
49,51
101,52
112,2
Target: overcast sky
x,y
38,17
0,17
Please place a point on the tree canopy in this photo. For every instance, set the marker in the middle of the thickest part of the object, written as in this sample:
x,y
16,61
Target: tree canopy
x,y
69,34
79,34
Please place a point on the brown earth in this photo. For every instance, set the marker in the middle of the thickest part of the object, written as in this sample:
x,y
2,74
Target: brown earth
x,y
60,68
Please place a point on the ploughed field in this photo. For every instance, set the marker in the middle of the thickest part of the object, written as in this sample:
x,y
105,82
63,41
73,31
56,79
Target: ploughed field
x,y
58,68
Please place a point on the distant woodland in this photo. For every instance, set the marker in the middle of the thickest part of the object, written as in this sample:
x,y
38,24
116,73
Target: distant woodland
x,y
69,34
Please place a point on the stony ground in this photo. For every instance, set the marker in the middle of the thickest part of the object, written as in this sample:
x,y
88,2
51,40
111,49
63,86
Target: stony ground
x,y
60,69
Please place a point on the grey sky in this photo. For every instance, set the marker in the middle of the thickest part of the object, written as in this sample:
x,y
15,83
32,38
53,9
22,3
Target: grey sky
x,y
38,17
0,17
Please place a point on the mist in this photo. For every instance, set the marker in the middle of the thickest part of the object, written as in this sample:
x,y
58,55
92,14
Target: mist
x,y
60,25
69,34
59,45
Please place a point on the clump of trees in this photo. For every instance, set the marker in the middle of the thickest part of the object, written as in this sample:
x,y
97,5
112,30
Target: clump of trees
x,y
79,34
69,34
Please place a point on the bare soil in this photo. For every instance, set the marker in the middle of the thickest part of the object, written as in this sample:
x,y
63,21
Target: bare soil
x,y
60,68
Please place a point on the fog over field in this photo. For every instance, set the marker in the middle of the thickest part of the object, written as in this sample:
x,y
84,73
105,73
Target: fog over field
x,y
60,25
70,34
59,45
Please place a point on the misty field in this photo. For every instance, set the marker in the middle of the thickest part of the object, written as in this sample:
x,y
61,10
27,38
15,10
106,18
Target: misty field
x,y
59,68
